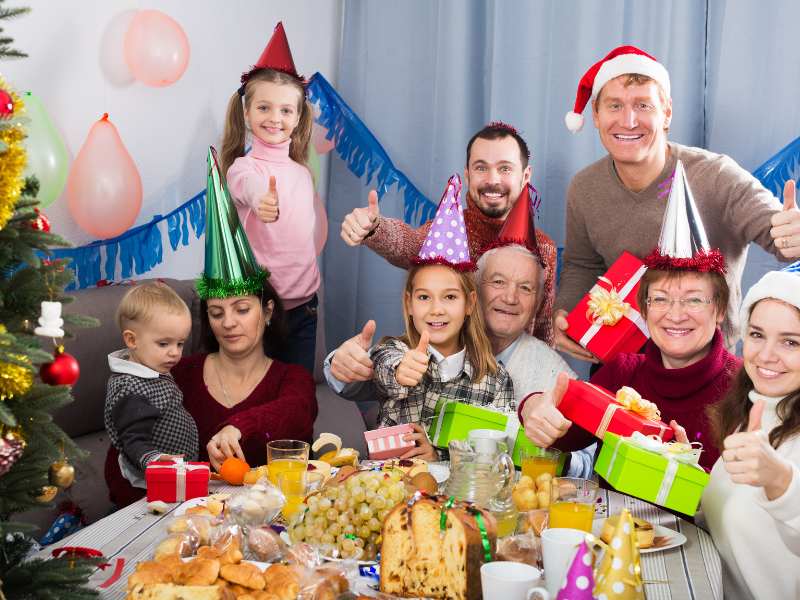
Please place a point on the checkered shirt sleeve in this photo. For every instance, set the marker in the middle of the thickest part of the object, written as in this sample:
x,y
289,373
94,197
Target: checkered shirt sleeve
x,y
400,404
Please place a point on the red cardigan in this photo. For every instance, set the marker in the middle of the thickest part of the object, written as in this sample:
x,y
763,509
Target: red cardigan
x,y
282,406
681,394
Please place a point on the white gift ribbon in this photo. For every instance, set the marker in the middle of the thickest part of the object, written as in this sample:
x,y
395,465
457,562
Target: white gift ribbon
x,y
652,443
631,314
181,468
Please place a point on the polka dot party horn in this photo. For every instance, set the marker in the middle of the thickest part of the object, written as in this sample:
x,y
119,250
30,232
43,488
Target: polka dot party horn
x,y
579,581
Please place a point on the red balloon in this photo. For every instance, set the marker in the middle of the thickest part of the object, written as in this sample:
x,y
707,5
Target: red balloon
x,y
64,370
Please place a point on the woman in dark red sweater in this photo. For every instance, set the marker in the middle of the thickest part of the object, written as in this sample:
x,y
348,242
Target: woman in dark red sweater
x,y
683,368
237,394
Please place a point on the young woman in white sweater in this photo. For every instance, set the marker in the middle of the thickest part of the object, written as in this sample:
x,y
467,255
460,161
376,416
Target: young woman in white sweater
x,y
752,504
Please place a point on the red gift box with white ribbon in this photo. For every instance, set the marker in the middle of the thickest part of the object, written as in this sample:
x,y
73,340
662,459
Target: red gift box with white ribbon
x,y
176,481
598,411
607,319
388,442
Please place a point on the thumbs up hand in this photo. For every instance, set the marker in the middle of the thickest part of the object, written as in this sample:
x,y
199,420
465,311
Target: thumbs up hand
x,y
268,210
351,361
786,223
542,420
361,222
750,458
414,364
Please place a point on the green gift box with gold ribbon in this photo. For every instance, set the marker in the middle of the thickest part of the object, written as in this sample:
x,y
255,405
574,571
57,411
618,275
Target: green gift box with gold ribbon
x,y
454,420
666,474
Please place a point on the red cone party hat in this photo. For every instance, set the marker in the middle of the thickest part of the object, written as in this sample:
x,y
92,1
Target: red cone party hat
x,y
276,55
520,227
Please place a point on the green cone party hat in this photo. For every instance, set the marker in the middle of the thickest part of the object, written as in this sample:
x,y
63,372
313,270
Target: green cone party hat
x,y
231,268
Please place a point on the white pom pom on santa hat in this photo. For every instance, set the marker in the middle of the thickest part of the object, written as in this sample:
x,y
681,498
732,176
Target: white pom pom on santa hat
x,y
574,121
620,61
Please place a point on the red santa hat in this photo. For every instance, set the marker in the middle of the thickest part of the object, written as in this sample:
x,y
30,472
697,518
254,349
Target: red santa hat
x,y
620,61
276,55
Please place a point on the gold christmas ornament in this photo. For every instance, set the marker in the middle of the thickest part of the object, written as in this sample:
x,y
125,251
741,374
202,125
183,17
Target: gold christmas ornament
x,y
12,159
61,474
15,380
47,493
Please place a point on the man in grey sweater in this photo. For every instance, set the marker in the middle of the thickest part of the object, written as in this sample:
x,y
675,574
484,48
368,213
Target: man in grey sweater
x,y
618,202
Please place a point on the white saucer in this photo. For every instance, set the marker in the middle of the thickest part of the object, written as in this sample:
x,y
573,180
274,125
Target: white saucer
x,y
674,538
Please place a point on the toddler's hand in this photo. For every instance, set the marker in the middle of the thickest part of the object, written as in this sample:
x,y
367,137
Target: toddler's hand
x,y
424,449
414,364
268,210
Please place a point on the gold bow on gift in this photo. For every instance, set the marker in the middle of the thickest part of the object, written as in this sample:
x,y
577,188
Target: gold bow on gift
x,y
606,307
633,401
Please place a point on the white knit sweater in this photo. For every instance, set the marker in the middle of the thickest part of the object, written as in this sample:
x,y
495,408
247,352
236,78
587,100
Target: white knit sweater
x,y
758,540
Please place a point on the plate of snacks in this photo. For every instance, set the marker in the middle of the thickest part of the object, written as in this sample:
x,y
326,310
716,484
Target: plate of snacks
x,y
651,538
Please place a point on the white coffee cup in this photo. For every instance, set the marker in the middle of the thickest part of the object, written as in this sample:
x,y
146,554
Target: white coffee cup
x,y
505,580
559,546
486,441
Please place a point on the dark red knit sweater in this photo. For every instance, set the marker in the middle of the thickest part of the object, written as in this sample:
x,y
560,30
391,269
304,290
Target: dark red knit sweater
x,y
282,406
681,394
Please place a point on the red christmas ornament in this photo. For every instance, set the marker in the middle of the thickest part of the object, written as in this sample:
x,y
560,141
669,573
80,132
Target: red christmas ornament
x,y
64,370
6,104
41,222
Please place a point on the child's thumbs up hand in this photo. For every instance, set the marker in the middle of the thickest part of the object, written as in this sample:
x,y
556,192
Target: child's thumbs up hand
x,y
786,223
414,364
268,210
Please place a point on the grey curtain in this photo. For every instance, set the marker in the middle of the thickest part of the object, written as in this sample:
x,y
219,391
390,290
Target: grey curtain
x,y
425,75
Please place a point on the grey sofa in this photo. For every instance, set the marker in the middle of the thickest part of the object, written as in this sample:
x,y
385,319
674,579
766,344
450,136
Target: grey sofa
x,y
83,419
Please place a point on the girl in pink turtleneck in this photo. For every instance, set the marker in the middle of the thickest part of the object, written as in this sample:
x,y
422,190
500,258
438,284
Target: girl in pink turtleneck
x,y
274,194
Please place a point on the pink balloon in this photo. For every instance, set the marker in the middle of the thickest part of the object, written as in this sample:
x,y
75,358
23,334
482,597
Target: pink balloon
x,y
156,48
321,225
104,189
321,145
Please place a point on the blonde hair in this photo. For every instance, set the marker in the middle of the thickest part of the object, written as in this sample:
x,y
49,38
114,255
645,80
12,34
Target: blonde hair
x,y
141,302
473,332
235,129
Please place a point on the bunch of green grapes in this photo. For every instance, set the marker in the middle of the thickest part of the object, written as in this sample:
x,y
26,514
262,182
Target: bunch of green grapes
x,y
345,520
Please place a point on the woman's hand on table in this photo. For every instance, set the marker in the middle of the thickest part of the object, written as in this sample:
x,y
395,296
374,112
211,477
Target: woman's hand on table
x,y
750,459
424,449
543,422
224,444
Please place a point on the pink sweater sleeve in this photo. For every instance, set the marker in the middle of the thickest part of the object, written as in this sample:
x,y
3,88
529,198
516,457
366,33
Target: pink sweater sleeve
x,y
245,183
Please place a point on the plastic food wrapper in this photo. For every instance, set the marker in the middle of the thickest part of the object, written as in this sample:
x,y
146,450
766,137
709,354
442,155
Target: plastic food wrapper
x,y
326,581
226,535
304,555
265,545
181,544
525,548
257,505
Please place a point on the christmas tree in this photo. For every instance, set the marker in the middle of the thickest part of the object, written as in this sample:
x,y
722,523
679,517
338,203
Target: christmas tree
x,y
34,451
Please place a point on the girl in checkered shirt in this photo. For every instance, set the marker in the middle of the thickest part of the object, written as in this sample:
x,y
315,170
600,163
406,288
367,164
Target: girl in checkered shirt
x,y
445,351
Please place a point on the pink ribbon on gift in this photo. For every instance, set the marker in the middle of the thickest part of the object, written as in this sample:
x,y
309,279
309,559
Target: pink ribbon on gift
x,y
631,314
181,469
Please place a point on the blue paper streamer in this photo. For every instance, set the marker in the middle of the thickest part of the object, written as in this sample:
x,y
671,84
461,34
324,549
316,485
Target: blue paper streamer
x,y
137,250
362,153
779,168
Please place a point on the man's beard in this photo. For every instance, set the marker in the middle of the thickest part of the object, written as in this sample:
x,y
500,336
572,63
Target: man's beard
x,y
493,212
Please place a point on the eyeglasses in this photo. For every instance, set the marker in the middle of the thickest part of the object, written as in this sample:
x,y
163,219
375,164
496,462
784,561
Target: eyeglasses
x,y
524,289
663,304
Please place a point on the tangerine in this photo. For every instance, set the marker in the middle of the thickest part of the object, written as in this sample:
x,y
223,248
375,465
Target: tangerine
x,y
233,470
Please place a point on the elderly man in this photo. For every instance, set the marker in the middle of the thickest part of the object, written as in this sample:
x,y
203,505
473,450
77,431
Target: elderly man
x,y
497,171
618,202
510,280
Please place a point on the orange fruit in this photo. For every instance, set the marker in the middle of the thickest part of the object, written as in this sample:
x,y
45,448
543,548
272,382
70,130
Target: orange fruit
x,y
233,470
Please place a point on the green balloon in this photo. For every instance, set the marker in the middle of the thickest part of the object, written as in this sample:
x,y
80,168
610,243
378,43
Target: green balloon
x,y
313,164
48,158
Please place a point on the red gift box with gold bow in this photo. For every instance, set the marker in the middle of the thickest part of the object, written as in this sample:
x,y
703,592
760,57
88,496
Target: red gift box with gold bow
x,y
607,320
597,410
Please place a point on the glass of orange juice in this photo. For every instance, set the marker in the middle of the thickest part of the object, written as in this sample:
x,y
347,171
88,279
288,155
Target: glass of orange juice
x,y
296,485
572,503
286,455
536,461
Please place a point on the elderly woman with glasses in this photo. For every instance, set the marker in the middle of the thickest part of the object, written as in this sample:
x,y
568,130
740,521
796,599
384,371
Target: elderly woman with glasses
x,y
683,368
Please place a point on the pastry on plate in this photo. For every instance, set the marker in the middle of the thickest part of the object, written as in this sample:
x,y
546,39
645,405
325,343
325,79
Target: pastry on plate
x,y
645,532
